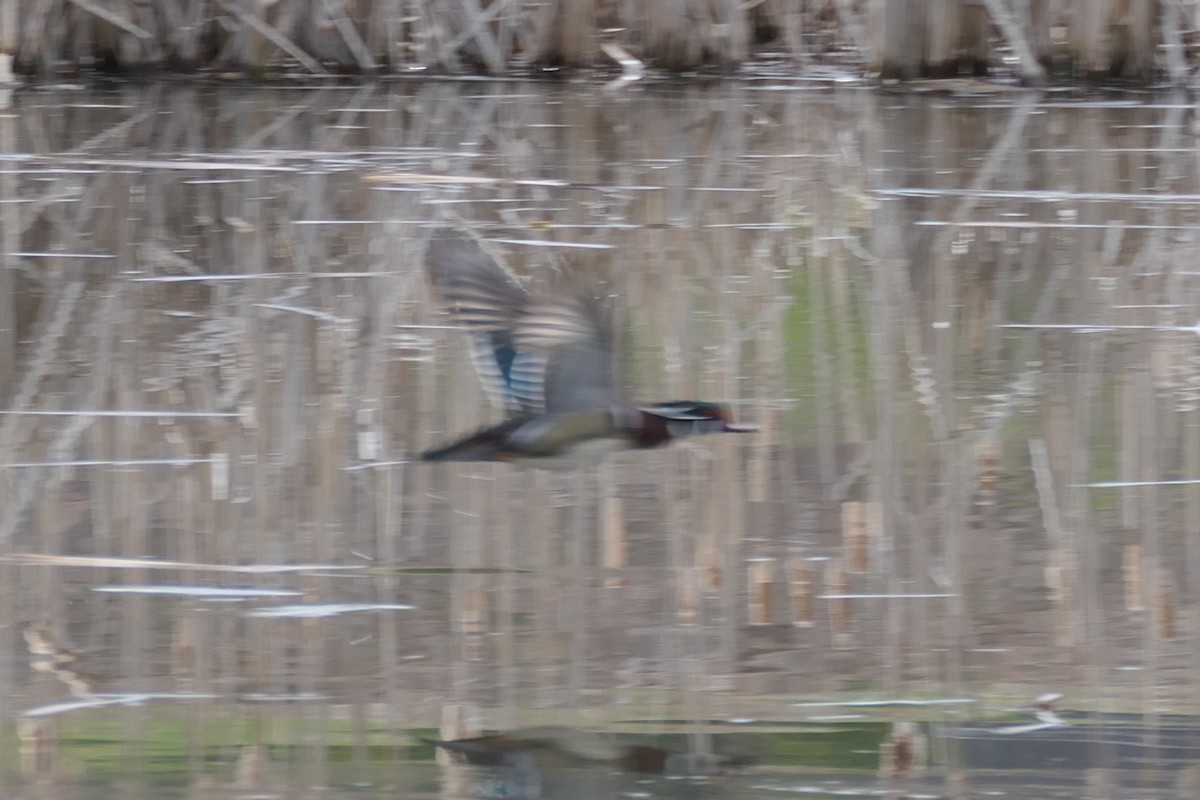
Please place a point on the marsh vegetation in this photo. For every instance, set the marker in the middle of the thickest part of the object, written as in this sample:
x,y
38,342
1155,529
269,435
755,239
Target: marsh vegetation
x,y
966,328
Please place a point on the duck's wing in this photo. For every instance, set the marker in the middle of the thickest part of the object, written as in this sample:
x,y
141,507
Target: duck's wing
x,y
488,301
533,355
567,345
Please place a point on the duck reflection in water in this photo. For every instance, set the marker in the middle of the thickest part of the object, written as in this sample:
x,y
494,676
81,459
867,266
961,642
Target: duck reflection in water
x,y
539,762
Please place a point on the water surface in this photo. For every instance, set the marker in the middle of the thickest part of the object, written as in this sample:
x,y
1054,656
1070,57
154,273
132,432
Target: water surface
x,y
966,326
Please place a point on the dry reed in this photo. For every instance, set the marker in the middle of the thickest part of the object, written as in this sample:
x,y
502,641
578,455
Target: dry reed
x,y
891,38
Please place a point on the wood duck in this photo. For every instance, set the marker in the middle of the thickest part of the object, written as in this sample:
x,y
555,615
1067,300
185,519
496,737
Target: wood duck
x,y
549,362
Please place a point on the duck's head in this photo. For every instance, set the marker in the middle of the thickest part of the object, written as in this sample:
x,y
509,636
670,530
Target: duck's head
x,y
691,417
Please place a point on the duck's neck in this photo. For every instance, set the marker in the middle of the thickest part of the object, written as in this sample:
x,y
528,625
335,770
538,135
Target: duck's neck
x,y
652,430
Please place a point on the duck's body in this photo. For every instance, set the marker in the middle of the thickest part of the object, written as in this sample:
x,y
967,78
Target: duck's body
x,y
583,437
549,362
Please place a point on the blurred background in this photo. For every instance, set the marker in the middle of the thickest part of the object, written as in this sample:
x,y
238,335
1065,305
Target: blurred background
x,y
965,325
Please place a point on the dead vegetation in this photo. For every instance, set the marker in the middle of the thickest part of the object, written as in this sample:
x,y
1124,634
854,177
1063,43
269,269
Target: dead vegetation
x,y
1071,40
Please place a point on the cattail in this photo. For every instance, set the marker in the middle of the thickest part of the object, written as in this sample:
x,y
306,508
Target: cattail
x,y
854,535
459,721
474,616
38,737
218,476
903,753
837,582
474,624
183,651
710,569
762,586
988,483
1060,580
1099,782
687,596
1165,598
1053,574
1131,567
615,555
801,592
756,472
250,773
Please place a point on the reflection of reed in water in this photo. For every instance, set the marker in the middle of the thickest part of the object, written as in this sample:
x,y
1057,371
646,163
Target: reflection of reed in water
x,y
277,294
903,753
51,656
39,736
